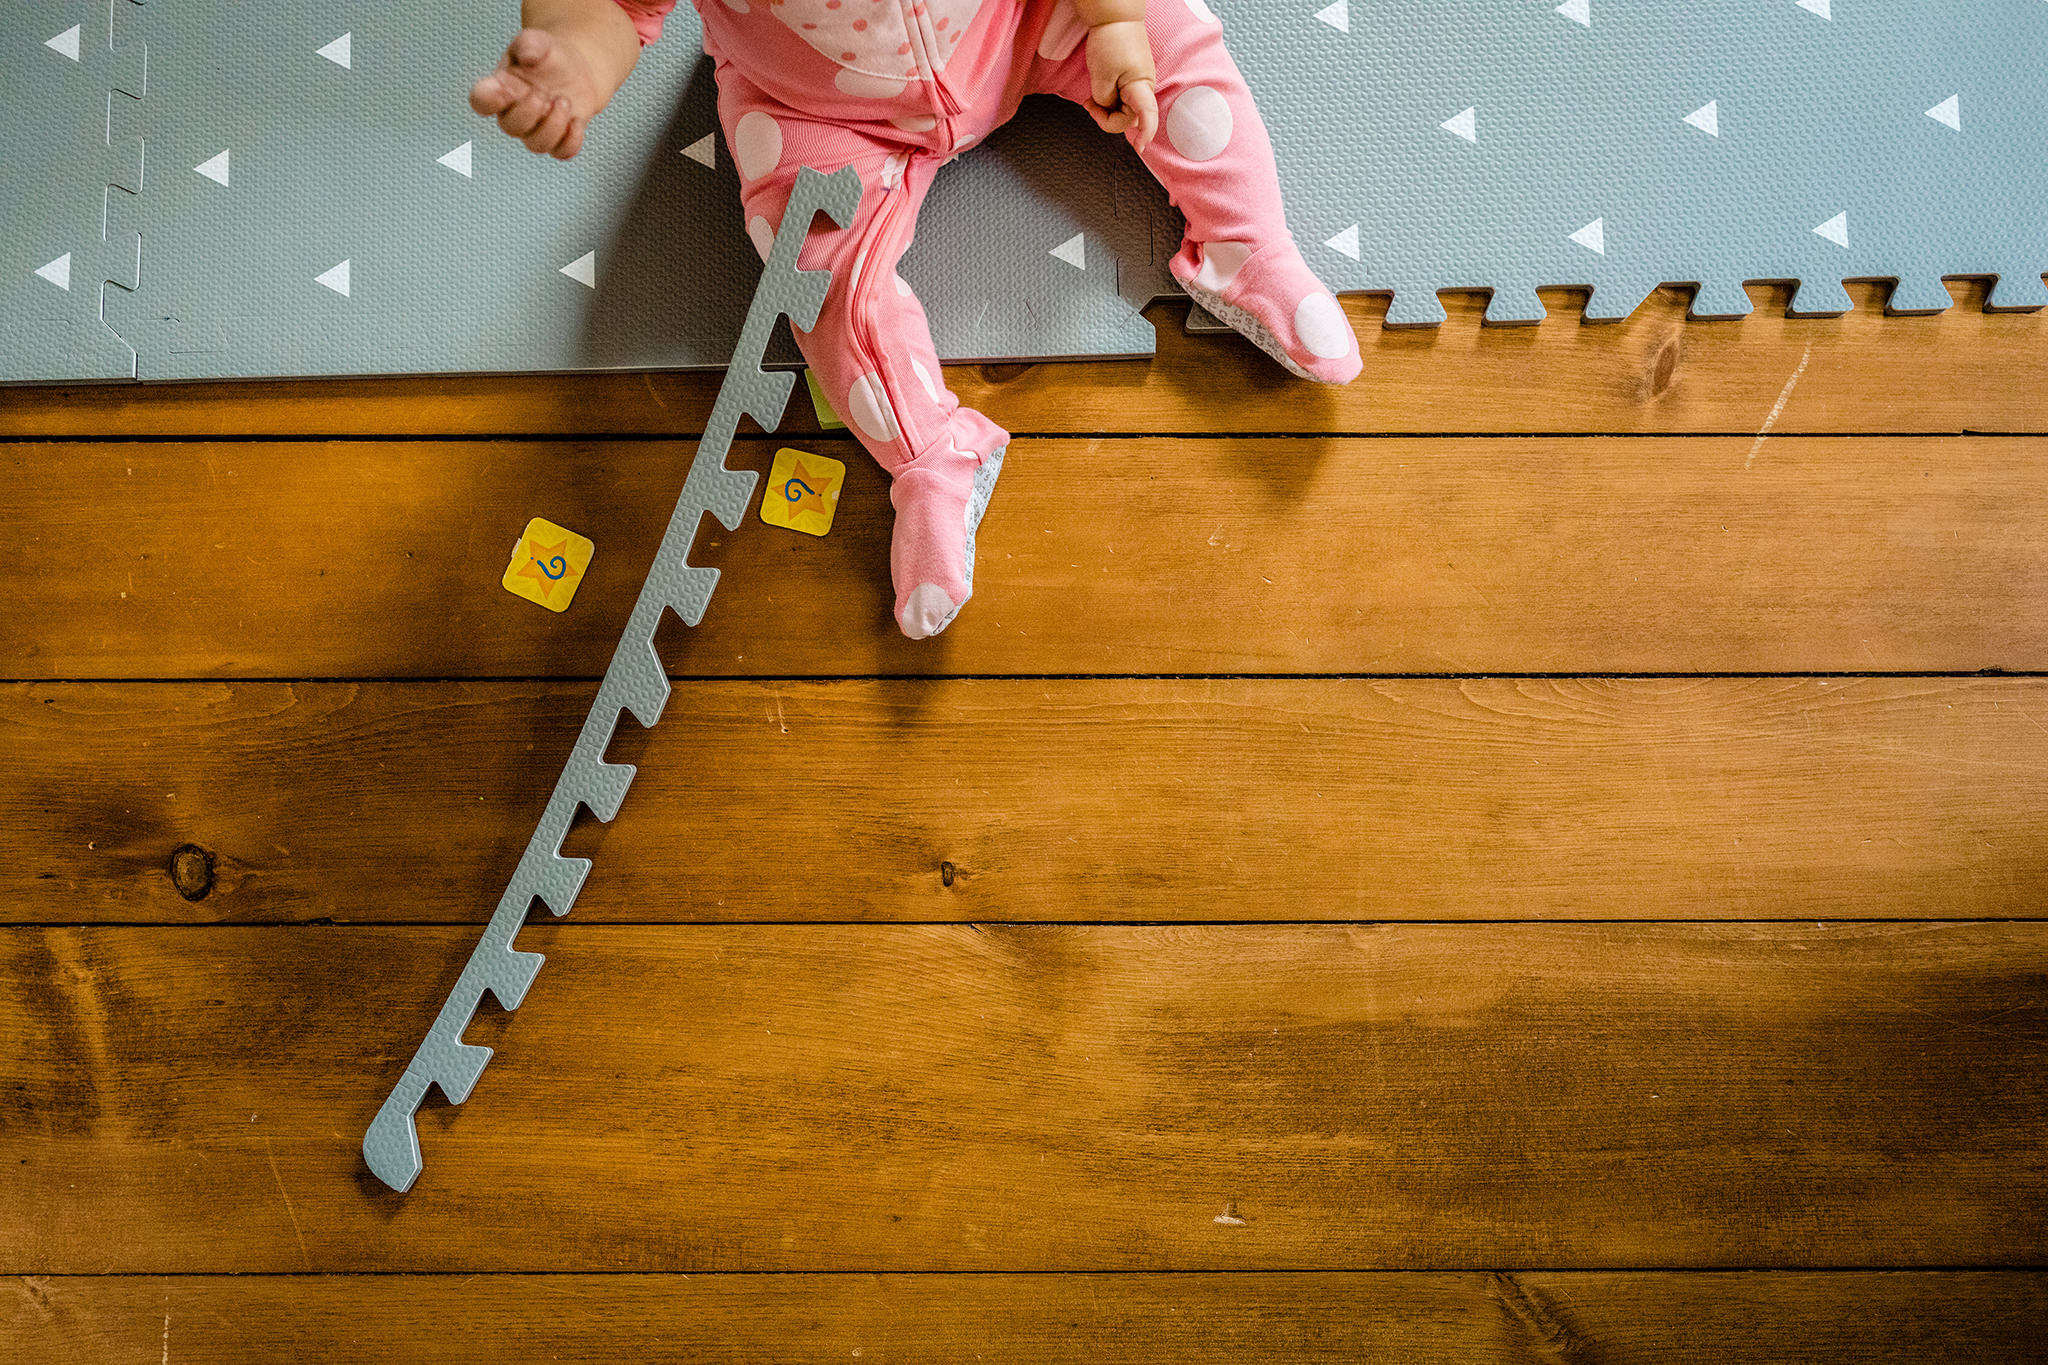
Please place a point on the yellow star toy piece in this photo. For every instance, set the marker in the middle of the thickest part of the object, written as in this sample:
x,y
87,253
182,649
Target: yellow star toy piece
x,y
547,564
803,491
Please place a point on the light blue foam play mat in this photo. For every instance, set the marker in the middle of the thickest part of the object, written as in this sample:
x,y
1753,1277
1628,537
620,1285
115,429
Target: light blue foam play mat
x,y
201,188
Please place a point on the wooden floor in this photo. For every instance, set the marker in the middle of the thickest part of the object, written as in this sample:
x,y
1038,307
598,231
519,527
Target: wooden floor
x,y
1539,856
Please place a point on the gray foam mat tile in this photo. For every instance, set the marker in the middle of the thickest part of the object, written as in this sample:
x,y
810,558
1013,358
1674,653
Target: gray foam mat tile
x,y
1820,117
983,263
72,80
1890,139
445,270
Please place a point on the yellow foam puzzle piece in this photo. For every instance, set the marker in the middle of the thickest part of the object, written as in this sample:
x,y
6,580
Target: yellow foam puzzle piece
x,y
803,491
547,564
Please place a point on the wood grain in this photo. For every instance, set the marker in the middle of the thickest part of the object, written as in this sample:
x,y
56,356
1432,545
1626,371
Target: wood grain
x,y
1898,1318
1782,798
1447,556
1963,370
953,1098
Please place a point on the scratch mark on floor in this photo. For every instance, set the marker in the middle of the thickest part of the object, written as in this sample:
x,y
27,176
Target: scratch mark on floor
x,y
290,1212
1763,432
1974,1026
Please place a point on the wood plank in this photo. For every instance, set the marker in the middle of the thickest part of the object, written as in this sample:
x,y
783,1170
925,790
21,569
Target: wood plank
x,y
1899,1318
1781,798
1411,555
1963,370
953,1098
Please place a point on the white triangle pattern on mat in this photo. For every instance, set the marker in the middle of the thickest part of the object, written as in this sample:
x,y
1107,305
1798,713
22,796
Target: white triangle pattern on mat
x,y
1335,14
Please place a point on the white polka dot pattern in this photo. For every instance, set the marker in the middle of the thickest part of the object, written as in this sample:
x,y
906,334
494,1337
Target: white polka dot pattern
x,y
1320,323
862,86
867,407
1200,123
1220,263
757,145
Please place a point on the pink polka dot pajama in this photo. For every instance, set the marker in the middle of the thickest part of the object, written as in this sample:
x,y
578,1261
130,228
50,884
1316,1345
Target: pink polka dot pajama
x,y
896,88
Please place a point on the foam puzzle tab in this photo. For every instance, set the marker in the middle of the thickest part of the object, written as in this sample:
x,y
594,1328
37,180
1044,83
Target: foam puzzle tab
x,y
547,564
803,491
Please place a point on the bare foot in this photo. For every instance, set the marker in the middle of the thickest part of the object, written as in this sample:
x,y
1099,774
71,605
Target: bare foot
x,y
546,89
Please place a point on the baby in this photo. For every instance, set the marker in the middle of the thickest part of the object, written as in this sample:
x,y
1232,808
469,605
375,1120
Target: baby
x,y
895,89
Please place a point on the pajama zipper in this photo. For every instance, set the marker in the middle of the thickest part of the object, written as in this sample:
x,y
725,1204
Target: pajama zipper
x,y
944,105
860,311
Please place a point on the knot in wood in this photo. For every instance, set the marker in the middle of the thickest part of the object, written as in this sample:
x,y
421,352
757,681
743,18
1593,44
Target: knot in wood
x,y
1665,368
192,871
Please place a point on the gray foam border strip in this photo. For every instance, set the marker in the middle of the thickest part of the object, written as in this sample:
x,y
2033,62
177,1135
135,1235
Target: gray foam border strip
x,y
635,681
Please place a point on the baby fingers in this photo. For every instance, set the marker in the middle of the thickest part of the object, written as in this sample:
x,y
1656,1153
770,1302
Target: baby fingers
x,y
572,141
547,135
492,94
1142,102
1109,120
530,47
526,113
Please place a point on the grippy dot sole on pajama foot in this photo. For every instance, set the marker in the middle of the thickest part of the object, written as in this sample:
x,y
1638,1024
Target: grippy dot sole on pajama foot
x,y
1260,335
928,609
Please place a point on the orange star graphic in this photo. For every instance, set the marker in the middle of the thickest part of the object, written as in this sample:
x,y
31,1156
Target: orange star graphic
x,y
548,565
805,492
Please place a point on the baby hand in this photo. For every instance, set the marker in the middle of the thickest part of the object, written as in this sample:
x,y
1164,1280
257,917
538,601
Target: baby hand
x,y
1123,81
544,92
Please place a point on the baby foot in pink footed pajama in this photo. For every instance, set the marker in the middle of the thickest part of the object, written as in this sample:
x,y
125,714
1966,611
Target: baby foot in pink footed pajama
x,y
939,499
1270,295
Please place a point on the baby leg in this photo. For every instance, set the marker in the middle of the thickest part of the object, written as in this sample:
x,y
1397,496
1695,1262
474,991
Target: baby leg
x,y
872,349
1215,160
